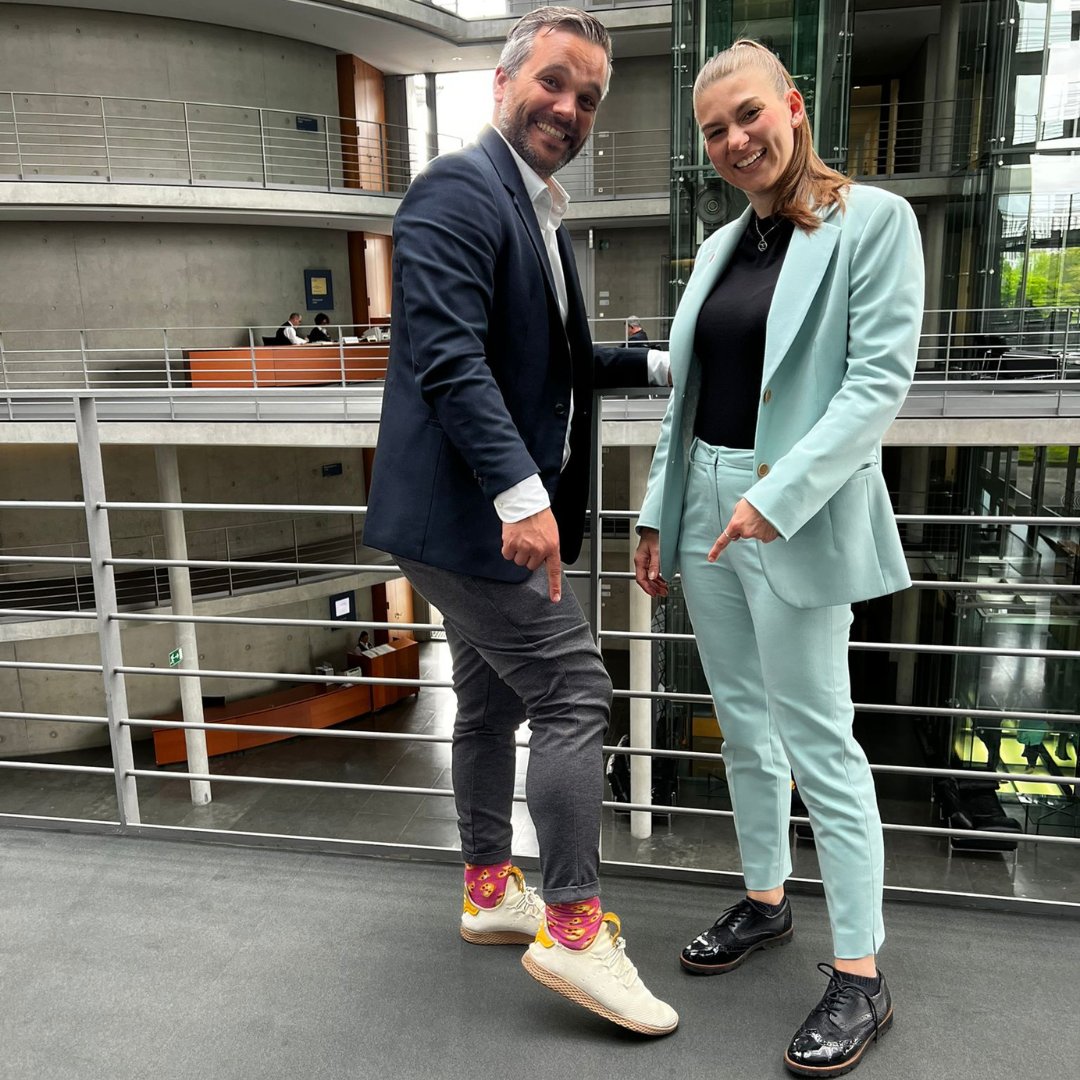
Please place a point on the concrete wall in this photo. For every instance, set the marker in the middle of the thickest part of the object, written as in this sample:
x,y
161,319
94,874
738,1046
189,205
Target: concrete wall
x,y
640,95
73,51
271,648
211,474
68,275
631,266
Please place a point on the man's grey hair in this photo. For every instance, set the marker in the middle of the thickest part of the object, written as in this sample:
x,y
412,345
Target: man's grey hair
x,y
546,20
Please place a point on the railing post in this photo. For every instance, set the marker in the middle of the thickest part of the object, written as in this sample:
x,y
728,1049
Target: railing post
x,y
18,144
187,141
228,559
82,358
595,543
251,349
948,340
3,362
296,549
262,148
153,557
75,579
341,356
168,366
105,135
112,657
329,170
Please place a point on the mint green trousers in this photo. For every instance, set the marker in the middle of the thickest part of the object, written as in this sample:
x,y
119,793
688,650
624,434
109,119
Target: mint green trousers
x,y
779,678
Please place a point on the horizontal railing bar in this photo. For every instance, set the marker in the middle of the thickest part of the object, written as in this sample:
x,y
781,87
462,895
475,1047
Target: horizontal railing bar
x,y
37,766
245,564
973,713
879,646
962,586
662,809
876,707
927,519
314,508
67,560
31,504
65,718
277,729
35,665
277,676
241,620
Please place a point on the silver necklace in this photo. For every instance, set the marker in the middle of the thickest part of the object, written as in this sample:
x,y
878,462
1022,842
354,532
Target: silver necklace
x,y
762,244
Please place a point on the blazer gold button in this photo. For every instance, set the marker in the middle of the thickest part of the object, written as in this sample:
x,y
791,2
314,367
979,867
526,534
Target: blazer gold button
x,y
767,396
763,469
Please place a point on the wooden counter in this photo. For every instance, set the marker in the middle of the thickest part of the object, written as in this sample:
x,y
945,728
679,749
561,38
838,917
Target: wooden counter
x,y
310,705
402,663
287,365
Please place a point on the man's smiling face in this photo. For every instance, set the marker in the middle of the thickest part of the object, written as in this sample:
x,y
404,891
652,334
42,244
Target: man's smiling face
x,y
546,111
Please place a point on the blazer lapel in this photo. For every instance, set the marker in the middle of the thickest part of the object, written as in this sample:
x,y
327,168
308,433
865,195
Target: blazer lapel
x,y
808,258
701,283
505,165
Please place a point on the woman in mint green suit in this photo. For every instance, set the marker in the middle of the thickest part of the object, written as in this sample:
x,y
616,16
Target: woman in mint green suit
x,y
791,352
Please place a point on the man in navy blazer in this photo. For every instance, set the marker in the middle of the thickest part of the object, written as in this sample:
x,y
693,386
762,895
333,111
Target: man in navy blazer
x,y
479,490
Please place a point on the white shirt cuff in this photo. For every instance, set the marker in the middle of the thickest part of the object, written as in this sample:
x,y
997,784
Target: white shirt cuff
x,y
659,364
522,500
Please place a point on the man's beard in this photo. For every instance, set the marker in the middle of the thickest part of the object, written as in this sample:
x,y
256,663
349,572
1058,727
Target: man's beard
x,y
514,123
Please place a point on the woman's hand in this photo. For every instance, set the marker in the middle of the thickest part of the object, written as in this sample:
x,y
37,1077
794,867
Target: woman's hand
x,y
745,524
647,564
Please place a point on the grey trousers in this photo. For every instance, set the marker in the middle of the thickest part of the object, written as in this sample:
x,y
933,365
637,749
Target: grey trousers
x,y
517,655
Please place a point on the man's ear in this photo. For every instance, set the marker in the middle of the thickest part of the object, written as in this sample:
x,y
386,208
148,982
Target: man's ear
x,y
499,85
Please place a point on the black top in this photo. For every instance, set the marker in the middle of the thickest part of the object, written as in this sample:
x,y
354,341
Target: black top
x,y
318,334
729,340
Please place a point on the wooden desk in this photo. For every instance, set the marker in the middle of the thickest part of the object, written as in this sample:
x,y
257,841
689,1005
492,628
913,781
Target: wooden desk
x,y
402,663
287,365
310,706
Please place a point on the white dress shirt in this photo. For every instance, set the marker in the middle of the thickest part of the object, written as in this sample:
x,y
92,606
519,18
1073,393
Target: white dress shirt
x,y
291,336
550,201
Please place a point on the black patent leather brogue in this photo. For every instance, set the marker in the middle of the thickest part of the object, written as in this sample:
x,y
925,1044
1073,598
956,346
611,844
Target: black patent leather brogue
x,y
836,1034
739,931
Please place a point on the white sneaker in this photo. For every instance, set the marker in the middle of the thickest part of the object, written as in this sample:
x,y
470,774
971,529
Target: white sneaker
x,y
514,920
600,978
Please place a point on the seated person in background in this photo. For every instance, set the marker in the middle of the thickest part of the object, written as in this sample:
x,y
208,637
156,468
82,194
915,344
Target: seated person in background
x,y
636,338
287,334
364,641
318,334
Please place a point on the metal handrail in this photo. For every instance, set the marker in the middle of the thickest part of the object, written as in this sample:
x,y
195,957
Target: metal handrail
x,y
128,777
45,136
214,143
989,344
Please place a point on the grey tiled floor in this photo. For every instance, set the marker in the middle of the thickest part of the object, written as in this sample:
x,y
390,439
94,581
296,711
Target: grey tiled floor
x,y
1043,871
128,959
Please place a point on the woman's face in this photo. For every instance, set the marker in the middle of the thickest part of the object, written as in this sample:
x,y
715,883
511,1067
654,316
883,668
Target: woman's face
x,y
749,132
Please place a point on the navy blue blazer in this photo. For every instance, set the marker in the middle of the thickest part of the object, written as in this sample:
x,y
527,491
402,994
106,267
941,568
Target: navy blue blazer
x,y
481,370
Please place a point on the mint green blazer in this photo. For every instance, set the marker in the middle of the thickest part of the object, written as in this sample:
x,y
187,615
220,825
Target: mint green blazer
x,y
840,349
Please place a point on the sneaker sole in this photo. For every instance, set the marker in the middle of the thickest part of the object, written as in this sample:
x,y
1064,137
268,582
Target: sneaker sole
x,y
496,937
720,969
579,997
847,1066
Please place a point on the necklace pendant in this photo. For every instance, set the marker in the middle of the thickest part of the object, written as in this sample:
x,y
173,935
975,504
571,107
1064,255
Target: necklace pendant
x,y
761,246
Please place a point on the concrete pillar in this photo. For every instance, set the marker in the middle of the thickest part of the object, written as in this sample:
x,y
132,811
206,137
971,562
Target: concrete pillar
x,y
640,664
168,474
947,72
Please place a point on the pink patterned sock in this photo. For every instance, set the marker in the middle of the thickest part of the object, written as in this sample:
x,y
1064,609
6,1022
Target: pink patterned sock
x,y
575,925
486,885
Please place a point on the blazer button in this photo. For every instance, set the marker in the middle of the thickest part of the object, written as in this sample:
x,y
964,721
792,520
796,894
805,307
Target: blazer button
x,y
767,396
763,469
560,409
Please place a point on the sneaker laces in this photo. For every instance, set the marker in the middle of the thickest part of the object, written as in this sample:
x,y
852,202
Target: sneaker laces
x,y
837,993
618,963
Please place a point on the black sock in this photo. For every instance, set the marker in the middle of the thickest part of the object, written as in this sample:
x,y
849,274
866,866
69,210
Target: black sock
x,y
870,983
769,910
